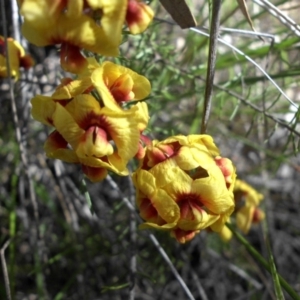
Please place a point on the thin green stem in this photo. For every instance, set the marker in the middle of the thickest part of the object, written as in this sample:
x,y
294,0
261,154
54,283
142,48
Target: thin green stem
x,y
263,262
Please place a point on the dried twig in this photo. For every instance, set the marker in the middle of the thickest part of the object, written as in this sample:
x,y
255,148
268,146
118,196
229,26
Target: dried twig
x,y
153,239
213,41
4,269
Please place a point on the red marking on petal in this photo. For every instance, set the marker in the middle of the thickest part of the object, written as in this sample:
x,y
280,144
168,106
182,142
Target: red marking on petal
x,y
133,14
26,62
187,204
71,59
257,215
225,165
147,210
183,236
2,47
94,174
57,140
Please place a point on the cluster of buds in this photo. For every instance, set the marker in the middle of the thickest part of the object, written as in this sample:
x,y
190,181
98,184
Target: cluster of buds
x,y
16,56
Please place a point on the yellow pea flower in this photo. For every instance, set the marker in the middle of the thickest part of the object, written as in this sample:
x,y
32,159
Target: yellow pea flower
x,y
247,200
97,133
17,58
116,84
138,16
182,189
96,170
71,24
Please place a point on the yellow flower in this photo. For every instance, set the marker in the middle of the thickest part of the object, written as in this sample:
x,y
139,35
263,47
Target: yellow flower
x,y
71,24
97,133
247,200
193,153
180,187
116,84
57,147
138,16
17,58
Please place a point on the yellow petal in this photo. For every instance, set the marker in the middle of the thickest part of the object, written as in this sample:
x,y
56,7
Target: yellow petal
x,y
244,218
213,191
142,115
67,126
56,147
71,88
165,227
111,79
225,234
201,221
124,132
42,109
166,206
82,106
145,182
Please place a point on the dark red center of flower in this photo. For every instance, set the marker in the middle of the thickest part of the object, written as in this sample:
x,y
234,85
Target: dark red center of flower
x,y
187,204
149,213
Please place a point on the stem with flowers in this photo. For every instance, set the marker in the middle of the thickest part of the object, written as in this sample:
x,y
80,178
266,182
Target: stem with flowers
x,y
98,116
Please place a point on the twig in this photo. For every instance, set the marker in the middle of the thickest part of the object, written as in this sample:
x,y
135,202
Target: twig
x,y
213,41
153,239
258,257
253,62
270,116
35,235
133,237
16,119
4,269
283,18
240,272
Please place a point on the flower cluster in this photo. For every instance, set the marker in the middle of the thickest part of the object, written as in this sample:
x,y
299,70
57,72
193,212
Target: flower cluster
x,y
184,186
17,58
91,126
77,25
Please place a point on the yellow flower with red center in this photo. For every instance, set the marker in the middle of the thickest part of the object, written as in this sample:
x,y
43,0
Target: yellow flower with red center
x,y
118,83
113,83
71,24
93,25
247,200
89,134
98,133
181,188
17,58
138,16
